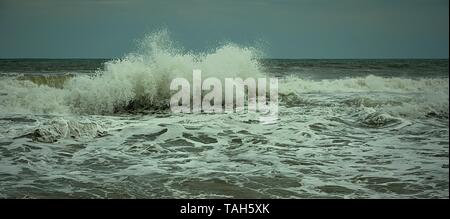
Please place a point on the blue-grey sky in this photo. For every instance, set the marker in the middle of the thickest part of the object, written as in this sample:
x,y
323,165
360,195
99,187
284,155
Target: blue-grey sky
x,y
286,28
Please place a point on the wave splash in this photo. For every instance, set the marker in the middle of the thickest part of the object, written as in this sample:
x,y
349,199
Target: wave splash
x,y
138,81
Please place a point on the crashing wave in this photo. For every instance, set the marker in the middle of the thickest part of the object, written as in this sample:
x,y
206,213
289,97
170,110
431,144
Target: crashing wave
x,y
140,82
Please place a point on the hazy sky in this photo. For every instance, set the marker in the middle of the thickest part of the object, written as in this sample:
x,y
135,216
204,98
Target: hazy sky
x,y
286,28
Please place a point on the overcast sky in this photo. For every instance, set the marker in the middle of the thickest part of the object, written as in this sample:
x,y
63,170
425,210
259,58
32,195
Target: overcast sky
x,y
286,28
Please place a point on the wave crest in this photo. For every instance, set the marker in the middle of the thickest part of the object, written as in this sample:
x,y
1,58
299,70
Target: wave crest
x,y
139,81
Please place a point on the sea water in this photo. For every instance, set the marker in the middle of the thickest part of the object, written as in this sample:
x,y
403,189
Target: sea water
x,y
102,128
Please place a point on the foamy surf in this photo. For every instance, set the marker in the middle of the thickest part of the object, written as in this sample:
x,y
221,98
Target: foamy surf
x,y
109,134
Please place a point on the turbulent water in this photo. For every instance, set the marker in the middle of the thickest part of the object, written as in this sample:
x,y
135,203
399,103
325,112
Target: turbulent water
x,y
101,129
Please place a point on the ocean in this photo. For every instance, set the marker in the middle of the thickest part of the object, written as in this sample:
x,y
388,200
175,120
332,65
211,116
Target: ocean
x,y
99,128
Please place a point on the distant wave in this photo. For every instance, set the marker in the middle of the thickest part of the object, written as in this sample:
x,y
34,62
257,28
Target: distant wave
x,y
398,96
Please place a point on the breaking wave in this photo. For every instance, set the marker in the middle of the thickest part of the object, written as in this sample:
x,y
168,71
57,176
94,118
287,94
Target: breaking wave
x,y
365,84
140,81
396,96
